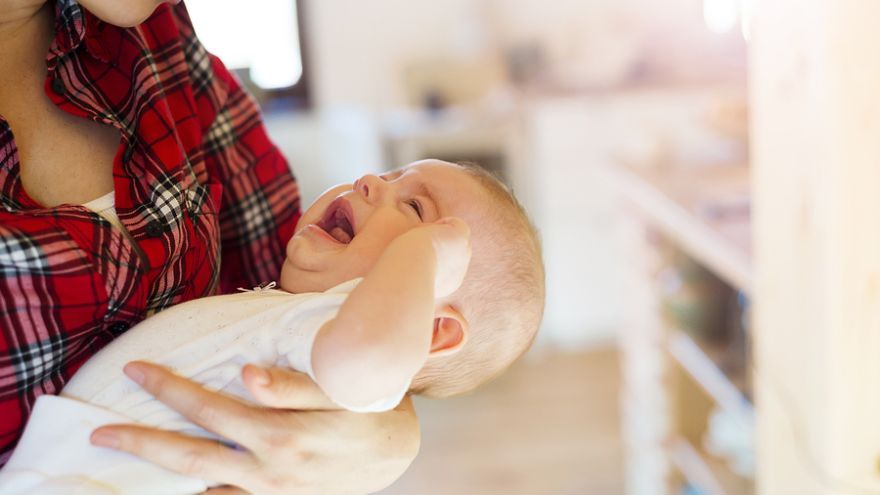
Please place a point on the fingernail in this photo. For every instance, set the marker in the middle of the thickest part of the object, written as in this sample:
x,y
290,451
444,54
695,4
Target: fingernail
x,y
103,438
134,372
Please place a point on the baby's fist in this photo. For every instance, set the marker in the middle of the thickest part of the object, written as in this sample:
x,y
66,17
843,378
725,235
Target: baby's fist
x,y
452,244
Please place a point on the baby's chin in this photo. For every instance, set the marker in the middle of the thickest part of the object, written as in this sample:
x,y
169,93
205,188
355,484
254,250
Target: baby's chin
x,y
297,281
290,280
285,285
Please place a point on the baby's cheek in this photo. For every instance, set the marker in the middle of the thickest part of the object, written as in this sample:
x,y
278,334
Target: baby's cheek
x,y
285,279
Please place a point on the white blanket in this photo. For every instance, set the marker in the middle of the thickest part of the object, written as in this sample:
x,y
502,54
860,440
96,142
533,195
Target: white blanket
x,y
208,340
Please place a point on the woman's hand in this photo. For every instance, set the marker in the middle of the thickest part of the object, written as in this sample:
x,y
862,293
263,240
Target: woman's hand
x,y
300,443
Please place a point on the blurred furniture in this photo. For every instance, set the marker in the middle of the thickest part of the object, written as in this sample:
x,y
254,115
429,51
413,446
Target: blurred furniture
x,y
688,419
814,274
460,81
454,134
670,162
571,139
457,110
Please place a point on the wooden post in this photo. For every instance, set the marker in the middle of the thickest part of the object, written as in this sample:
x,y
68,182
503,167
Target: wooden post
x,y
815,89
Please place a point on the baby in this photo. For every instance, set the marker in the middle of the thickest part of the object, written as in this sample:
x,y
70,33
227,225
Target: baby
x,y
427,280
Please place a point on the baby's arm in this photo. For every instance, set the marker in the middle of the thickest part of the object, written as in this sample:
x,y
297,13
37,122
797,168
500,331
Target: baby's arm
x,y
381,336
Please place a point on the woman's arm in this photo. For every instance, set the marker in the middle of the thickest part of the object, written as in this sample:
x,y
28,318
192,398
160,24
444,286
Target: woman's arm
x,y
290,451
47,281
382,335
299,444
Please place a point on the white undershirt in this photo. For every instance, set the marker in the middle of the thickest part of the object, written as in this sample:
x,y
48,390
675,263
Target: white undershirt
x,y
106,207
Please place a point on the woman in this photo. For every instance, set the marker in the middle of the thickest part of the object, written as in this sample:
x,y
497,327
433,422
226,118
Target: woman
x,y
136,165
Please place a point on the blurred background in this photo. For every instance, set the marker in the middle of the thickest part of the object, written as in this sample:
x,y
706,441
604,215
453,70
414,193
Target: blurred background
x,y
622,127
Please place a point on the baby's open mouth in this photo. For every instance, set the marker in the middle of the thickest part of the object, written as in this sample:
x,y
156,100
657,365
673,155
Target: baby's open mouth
x,y
337,221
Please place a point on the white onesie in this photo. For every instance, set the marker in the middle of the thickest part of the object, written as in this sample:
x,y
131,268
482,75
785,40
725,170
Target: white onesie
x,y
208,340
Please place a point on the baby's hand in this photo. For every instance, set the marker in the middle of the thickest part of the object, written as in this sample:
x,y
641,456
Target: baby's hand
x,y
452,244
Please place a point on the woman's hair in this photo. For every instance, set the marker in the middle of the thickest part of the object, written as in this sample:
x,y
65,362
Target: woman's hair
x,y
502,296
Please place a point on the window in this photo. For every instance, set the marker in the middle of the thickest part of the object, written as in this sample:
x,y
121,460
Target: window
x,y
262,41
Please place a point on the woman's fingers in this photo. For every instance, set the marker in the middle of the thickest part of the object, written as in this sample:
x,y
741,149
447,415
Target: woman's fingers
x,y
197,457
213,411
289,451
322,450
284,389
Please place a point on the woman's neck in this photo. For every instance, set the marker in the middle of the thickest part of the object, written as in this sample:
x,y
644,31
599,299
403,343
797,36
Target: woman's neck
x,y
26,32
16,13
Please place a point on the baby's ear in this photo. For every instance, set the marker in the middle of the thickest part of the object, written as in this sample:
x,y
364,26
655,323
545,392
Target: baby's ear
x,y
450,332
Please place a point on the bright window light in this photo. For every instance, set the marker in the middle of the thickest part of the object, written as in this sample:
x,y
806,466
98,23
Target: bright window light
x,y
746,22
721,16
261,36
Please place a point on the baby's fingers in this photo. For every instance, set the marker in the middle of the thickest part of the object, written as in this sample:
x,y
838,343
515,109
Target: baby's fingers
x,y
284,389
461,227
452,244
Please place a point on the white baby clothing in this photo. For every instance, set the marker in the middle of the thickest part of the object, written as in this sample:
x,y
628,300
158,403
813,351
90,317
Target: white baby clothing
x,y
208,340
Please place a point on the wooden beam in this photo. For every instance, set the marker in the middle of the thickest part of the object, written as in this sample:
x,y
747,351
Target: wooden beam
x,y
815,90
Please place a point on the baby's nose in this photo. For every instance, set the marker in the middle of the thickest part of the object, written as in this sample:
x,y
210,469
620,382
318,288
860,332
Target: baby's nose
x,y
369,186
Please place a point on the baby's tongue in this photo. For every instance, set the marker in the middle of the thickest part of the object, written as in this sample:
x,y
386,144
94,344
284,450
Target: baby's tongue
x,y
340,235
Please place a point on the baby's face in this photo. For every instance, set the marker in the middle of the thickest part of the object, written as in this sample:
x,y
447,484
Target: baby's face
x,y
345,231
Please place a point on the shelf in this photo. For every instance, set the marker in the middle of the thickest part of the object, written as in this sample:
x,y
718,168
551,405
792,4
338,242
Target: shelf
x,y
709,475
703,369
694,468
702,209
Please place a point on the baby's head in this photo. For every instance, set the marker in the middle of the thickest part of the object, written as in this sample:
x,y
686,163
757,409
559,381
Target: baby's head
x,y
501,299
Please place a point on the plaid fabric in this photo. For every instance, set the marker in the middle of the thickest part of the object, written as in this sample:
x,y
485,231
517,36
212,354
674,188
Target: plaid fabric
x,y
196,177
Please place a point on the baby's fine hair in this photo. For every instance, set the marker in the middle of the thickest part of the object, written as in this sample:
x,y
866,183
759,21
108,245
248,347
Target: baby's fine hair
x,y
502,296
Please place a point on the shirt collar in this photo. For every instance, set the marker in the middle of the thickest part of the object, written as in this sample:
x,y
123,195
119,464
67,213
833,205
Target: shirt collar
x,y
73,26
70,29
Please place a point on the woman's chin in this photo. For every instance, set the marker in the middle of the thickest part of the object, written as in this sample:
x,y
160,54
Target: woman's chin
x,y
124,14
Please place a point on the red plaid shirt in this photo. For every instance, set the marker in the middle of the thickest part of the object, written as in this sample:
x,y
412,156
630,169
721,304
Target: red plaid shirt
x,y
195,177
